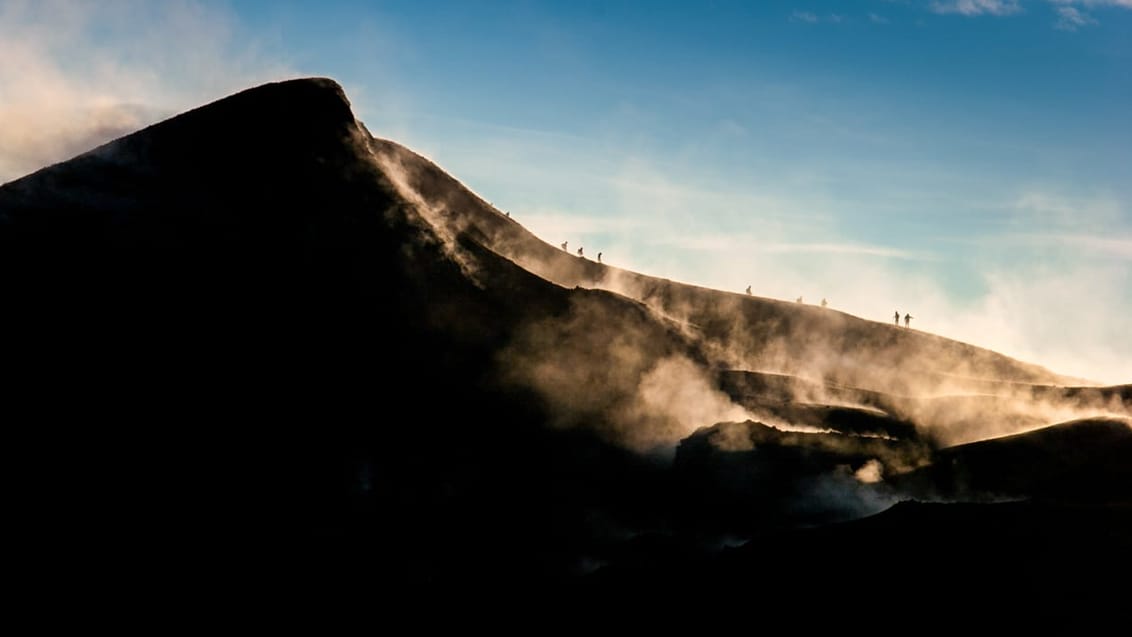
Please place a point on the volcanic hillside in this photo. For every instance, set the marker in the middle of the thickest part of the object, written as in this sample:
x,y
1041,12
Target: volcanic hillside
x,y
948,387
256,330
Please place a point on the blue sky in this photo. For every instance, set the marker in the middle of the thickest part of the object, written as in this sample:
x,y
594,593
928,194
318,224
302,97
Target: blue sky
x,y
967,161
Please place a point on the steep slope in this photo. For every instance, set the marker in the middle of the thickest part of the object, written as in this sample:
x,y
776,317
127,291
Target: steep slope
x,y
1081,461
751,333
231,327
952,391
255,340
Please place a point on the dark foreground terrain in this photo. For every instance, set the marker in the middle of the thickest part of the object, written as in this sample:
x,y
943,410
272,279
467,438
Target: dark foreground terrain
x,y
255,353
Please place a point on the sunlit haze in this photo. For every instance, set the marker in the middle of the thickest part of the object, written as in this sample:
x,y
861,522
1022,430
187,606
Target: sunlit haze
x,y
965,162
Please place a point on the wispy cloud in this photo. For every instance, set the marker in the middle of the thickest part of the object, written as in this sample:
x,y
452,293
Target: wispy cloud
x,y
1064,213
1061,227
842,248
976,7
1069,16
1071,19
1127,4
877,19
75,76
1117,247
812,18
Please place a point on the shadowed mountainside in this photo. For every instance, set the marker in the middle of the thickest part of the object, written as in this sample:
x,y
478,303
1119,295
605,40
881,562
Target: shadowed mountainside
x,y
947,387
752,332
255,339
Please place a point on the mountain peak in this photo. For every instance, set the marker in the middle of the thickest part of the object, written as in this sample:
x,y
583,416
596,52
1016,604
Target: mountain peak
x,y
302,109
317,97
274,134
253,327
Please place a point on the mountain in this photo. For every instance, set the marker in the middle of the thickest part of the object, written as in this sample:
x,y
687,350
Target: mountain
x,y
255,344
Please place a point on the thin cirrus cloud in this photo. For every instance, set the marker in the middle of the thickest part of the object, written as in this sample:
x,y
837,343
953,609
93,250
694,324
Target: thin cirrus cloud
x,y
1114,247
844,248
977,7
734,243
1069,16
1071,19
1063,219
813,18
1127,4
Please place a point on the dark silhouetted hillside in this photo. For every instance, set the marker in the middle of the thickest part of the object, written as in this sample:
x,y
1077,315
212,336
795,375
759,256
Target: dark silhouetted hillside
x,y
255,346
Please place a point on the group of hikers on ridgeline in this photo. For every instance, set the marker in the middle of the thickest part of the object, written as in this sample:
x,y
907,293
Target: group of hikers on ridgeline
x,y
580,251
824,303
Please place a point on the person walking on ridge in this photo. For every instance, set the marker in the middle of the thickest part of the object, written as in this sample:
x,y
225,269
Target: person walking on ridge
x,y
564,244
907,319
896,318
748,290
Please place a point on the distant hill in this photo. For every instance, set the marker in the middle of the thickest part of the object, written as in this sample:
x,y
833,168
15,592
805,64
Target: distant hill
x,y
255,343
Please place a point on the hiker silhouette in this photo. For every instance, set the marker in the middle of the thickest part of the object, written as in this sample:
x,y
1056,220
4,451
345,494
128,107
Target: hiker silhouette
x,y
748,289
564,244
907,319
824,303
896,317
579,252
599,257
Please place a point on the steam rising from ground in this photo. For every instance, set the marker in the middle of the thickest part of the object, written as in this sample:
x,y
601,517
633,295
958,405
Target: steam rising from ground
x,y
600,371
1023,309
1042,257
676,392
436,213
76,74
597,367
72,76
620,380
954,392
871,472
943,386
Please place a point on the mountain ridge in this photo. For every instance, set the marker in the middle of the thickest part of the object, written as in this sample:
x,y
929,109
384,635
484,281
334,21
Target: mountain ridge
x,y
509,237
313,354
325,98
